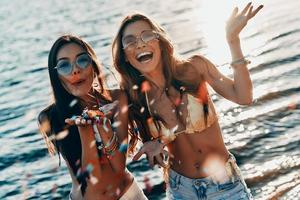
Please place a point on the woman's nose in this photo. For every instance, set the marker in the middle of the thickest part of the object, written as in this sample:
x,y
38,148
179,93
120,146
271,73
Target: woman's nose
x,y
140,43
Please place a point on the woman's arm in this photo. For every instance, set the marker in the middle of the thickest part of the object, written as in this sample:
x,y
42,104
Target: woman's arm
x,y
110,139
120,124
239,89
75,193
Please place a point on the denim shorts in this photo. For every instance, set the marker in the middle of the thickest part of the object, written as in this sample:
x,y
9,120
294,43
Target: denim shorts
x,y
180,187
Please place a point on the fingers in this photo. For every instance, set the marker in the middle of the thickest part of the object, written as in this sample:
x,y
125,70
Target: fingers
x,y
151,160
234,12
77,120
69,121
160,160
249,12
252,14
104,124
138,155
246,8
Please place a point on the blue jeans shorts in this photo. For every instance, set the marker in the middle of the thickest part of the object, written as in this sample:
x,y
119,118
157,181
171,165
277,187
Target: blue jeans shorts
x,y
180,187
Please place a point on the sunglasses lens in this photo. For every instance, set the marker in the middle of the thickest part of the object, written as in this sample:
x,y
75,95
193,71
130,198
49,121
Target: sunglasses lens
x,y
64,67
83,61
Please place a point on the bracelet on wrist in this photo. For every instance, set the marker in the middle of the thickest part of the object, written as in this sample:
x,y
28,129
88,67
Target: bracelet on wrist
x,y
239,62
111,146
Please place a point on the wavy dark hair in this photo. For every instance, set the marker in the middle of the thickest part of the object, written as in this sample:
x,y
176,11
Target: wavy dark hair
x,y
65,105
173,68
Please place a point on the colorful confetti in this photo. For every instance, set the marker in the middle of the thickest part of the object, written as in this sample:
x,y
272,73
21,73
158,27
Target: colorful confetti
x,y
145,86
123,147
73,103
148,186
135,87
124,109
61,135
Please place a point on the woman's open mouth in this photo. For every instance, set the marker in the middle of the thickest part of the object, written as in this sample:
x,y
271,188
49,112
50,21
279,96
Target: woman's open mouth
x,y
144,57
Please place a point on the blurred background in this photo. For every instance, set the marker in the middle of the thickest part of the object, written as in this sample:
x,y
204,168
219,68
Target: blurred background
x,y
264,137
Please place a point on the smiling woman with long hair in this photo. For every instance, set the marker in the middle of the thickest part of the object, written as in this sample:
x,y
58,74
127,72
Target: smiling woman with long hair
x,y
171,106
86,125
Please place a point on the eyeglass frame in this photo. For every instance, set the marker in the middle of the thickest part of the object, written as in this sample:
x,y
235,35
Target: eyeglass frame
x,y
140,38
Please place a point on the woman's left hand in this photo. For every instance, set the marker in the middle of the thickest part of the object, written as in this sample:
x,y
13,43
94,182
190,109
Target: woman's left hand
x,y
237,21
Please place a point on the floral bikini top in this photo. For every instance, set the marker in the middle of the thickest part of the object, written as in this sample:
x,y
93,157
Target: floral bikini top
x,y
195,120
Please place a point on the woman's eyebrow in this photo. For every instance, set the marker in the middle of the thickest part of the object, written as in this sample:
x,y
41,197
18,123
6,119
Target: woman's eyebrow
x,y
66,58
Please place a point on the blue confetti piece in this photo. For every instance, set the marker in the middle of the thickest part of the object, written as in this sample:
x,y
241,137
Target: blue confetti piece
x,y
123,148
89,168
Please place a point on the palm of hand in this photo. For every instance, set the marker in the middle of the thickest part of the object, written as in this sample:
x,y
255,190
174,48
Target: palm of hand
x,y
237,21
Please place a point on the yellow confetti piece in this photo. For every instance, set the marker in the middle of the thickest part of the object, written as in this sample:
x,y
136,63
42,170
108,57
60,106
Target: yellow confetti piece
x,y
93,143
61,135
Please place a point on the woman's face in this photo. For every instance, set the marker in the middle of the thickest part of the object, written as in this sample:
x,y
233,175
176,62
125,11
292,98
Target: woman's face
x,y
142,55
79,81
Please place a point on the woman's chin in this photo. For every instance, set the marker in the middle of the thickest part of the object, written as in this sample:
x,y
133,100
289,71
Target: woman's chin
x,y
79,93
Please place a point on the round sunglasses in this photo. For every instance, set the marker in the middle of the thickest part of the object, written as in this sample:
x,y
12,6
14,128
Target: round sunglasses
x,y
65,67
130,41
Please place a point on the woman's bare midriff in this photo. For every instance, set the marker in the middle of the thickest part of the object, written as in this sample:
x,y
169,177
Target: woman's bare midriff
x,y
193,153
112,185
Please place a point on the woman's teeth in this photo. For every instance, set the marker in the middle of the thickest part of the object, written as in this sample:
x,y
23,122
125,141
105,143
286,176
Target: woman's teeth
x,y
144,57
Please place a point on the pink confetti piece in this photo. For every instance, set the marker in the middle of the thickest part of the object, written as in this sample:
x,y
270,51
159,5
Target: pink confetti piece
x,y
118,191
292,106
124,109
145,86
54,188
148,186
93,180
177,101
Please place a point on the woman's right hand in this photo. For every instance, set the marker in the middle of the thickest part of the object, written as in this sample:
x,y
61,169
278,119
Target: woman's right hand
x,y
78,121
154,150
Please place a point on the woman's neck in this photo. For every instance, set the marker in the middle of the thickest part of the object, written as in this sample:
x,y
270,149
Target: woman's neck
x,y
89,100
157,78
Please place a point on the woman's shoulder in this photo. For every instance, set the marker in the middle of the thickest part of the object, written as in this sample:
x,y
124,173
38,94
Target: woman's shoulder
x,y
198,60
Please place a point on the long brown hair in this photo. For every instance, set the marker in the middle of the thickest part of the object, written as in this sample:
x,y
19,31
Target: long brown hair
x,y
173,67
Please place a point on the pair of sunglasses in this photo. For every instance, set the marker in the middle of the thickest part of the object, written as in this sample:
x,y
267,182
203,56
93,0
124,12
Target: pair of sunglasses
x,y
131,41
65,67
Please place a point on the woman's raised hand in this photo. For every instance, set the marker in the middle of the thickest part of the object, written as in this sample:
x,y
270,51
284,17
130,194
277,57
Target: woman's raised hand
x,y
155,152
238,20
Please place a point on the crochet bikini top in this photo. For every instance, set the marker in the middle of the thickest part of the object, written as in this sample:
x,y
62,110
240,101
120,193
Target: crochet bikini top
x,y
195,120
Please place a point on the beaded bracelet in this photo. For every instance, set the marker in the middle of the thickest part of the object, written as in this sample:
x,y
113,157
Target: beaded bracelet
x,y
241,61
112,145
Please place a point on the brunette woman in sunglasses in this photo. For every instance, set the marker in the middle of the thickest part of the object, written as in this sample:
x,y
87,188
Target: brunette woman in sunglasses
x,y
86,125
171,106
